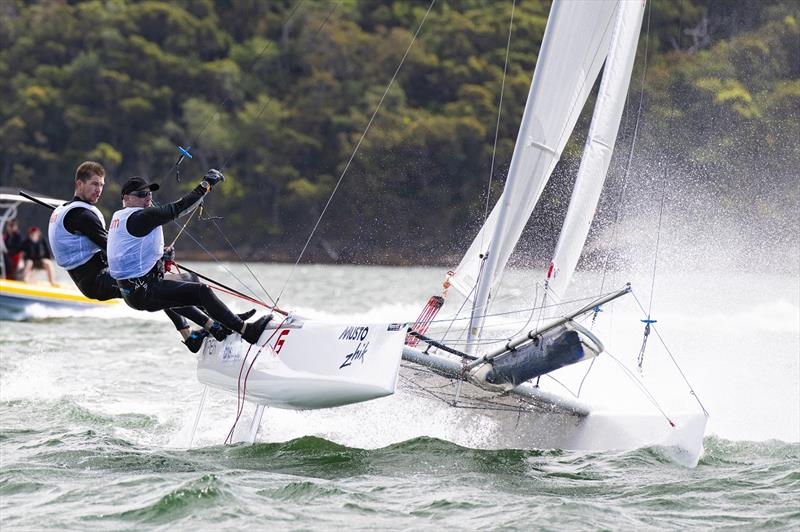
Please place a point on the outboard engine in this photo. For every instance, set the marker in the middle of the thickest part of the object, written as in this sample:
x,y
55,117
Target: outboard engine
x,y
565,345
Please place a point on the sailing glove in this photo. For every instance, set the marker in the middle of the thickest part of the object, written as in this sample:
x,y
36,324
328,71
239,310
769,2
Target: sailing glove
x,y
169,254
213,177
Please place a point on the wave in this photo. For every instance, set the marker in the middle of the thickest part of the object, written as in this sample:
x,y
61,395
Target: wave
x,y
738,483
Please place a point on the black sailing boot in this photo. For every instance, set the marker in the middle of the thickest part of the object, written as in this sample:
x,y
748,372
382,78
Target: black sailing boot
x,y
252,331
247,315
195,340
219,331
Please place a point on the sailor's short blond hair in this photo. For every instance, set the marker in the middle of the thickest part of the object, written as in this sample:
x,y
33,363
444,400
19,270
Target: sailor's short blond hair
x,y
87,169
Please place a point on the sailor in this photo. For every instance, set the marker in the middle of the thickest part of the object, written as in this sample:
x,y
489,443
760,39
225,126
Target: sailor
x,y
12,249
78,236
136,256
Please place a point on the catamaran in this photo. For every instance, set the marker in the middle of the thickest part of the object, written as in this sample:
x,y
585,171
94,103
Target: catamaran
x,y
469,362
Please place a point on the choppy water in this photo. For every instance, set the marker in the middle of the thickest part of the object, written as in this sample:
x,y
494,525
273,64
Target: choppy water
x,y
96,412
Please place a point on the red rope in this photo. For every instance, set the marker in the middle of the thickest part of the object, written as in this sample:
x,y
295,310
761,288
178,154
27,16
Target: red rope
x,y
168,264
240,400
229,437
250,299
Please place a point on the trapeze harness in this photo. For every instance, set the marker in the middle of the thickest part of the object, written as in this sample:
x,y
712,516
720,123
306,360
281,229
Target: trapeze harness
x,y
71,250
76,231
136,263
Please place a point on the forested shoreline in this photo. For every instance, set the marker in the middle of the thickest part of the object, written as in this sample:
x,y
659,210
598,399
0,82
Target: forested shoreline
x,y
278,94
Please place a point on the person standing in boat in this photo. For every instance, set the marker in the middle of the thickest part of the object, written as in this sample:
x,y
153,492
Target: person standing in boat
x,y
37,256
136,256
78,235
12,245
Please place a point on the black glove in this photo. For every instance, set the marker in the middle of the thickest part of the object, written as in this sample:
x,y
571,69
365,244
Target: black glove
x,y
213,177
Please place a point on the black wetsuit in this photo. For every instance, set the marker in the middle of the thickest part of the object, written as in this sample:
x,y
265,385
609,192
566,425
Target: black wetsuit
x,y
13,244
152,291
92,278
36,250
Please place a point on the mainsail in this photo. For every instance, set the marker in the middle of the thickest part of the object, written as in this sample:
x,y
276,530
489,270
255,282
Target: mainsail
x,y
574,47
599,146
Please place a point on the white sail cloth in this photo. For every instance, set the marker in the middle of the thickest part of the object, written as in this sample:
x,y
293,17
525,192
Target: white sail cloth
x,y
599,146
574,47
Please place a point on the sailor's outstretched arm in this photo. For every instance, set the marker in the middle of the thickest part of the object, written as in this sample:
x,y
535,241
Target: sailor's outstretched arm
x,y
142,222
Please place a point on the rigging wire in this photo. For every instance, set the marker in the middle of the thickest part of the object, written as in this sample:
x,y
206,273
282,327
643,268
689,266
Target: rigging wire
x,y
355,151
655,261
585,375
672,357
494,154
626,174
228,159
244,262
225,163
217,261
499,114
530,316
452,321
524,310
631,150
641,387
189,219
671,143
242,386
552,378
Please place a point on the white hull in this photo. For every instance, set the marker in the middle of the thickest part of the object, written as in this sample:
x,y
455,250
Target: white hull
x,y
310,370
308,365
527,422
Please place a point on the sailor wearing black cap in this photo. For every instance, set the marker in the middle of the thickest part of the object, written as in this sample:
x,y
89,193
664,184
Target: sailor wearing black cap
x,y
136,250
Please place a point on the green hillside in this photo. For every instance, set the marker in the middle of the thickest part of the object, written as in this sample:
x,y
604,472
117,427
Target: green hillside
x,y
278,94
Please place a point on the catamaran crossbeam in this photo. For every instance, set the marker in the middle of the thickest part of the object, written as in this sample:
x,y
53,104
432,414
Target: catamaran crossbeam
x,y
560,343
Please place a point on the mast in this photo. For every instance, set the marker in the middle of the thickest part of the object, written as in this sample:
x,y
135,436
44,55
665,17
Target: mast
x,y
574,47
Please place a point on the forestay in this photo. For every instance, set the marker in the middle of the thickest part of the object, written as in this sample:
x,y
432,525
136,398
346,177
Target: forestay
x,y
599,146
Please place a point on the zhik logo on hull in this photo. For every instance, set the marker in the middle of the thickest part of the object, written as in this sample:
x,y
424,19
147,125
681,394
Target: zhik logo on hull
x,y
358,334
358,354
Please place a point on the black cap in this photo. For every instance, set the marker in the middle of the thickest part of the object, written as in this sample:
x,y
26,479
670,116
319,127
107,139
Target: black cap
x,y
138,183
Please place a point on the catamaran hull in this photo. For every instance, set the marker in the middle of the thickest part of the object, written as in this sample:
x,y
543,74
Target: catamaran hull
x,y
601,431
308,366
532,418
